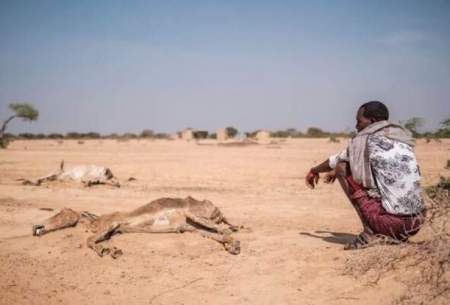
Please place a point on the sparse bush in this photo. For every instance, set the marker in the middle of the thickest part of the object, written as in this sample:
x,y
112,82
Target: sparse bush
x,y
4,142
80,142
251,134
55,136
162,136
129,135
73,135
279,134
287,133
10,136
112,136
444,131
442,186
92,135
147,133
7,139
27,135
200,134
413,124
212,135
448,164
315,132
333,139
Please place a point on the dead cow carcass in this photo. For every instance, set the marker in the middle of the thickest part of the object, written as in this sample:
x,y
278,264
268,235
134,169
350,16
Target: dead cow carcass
x,y
164,215
87,174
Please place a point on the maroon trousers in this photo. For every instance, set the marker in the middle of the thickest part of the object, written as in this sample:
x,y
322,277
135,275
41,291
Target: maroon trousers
x,y
399,227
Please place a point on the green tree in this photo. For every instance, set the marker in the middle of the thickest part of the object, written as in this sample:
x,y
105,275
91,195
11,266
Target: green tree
x,y
25,111
147,133
444,131
231,131
316,132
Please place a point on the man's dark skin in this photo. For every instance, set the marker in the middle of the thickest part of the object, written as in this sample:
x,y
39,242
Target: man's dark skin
x,y
340,173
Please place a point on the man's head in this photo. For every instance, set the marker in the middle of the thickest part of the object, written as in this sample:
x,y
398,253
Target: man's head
x,y
369,113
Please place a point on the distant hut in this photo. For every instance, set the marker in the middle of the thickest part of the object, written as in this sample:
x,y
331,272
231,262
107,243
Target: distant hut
x,y
187,134
262,135
222,135
175,136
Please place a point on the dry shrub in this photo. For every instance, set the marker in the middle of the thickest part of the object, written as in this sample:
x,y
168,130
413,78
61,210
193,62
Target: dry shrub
x,y
424,266
80,142
4,142
333,139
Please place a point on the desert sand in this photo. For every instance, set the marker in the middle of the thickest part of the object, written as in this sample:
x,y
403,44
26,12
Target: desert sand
x,y
292,252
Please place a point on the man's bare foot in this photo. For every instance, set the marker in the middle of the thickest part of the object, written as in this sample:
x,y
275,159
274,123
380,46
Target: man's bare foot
x,y
363,240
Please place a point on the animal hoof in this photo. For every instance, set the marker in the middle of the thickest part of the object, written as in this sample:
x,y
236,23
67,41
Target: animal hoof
x,y
116,253
234,228
38,230
234,247
101,251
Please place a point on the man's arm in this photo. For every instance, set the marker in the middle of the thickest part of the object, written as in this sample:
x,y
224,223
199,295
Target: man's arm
x,y
312,178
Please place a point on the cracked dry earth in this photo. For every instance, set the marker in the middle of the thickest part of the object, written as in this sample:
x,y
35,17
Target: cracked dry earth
x,y
292,254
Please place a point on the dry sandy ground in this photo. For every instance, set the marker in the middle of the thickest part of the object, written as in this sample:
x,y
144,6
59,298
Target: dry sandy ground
x,y
293,254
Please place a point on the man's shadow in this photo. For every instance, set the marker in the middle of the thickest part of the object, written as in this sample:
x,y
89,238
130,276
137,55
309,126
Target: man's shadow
x,y
332,237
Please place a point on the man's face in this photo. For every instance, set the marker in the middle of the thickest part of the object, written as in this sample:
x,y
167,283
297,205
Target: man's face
x,y
361,121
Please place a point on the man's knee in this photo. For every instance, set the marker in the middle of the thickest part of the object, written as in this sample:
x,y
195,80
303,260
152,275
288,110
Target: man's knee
x,y
342,169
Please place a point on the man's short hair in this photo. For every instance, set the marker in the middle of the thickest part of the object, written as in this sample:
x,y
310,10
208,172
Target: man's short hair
x,y
375,110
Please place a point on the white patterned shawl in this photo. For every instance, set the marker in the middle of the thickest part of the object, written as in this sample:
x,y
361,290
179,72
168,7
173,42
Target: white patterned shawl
x,y
359,154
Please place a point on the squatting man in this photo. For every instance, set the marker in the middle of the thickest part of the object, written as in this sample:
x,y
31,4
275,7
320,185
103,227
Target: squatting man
x,y
378,172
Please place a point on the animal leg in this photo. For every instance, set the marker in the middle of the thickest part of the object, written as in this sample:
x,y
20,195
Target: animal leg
x,y
204,223
94,242
231,245
91,182
232,227
64,219
50,177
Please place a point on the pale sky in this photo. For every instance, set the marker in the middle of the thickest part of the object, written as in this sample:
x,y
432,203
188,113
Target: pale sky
x,y
125,66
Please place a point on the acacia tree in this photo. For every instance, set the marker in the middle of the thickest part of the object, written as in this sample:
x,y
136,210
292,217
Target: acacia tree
x,y
413,124
231,131
25,111
444,131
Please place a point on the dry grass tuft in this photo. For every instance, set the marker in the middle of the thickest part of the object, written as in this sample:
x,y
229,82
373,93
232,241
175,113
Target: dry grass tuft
x,y
424,267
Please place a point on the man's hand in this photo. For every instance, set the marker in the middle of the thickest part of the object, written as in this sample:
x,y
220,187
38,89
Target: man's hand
x,y
311,179
330,177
